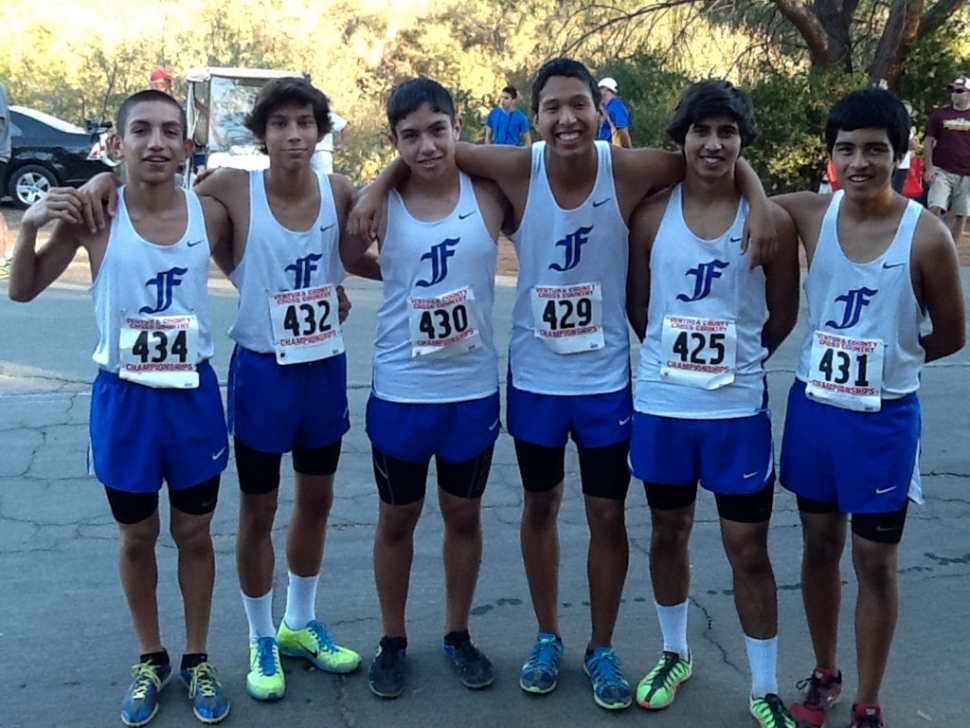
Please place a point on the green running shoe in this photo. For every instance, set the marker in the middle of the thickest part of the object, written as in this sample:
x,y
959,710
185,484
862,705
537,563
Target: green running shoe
x,y
659,688
141,702
265,680
770,712
314,644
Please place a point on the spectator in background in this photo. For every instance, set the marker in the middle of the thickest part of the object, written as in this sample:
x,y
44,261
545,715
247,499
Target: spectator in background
x,y
322,159
946,157
616,127
902,171
505,124
4,159
162,80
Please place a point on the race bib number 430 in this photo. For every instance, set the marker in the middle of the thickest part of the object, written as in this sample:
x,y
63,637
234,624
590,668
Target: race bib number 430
x,y
160,352
846,372
569,319
444,326
305,325
697,352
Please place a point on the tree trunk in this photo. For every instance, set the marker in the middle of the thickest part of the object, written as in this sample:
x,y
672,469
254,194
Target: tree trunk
x,y
900,31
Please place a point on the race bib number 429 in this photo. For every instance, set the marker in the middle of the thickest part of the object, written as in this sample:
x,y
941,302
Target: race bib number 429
x,y
160,352
305,325
569,319
697,352
846,372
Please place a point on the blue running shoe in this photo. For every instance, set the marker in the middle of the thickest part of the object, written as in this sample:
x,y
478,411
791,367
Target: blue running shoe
x,y
541,671
209,702
610,688
141,702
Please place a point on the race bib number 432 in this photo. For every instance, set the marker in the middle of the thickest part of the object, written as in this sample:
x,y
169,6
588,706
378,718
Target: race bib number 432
x,y
697,352
569,319
444,326
160,352
305,325
846,372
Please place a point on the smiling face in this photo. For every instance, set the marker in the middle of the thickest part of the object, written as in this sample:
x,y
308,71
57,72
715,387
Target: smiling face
x,y
291,135
864,162
567,117
712,147
425,139
152,141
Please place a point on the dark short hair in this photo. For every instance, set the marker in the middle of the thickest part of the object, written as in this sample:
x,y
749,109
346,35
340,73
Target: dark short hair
x,y
569,68
710,98
289,91
511,91
409,96
870,108
121,120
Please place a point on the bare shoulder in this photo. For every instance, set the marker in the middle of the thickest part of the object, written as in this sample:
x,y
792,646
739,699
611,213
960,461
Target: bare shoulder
x,y
649,213
804,207
932,241
224,184
488,190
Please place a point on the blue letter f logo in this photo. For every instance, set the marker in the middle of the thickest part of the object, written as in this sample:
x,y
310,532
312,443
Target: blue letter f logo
x,y
705,273
854,301
438,255
164,282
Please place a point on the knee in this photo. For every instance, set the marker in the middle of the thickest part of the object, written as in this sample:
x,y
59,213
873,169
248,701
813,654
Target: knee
x,y
257,513
748,557
191,534
541,508
670,531
396,523
138,540
821,552
464,521
607,519
875,571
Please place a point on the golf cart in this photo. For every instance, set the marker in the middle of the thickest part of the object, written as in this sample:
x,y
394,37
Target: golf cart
x,y
218,101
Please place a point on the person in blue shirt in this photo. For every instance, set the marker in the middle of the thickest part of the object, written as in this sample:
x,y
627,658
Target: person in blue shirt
x,y
505,124
616,125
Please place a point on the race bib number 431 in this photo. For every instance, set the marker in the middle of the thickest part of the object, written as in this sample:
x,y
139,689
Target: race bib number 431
x,y
444,326
697,352
305,325
569,319
160,352
846,372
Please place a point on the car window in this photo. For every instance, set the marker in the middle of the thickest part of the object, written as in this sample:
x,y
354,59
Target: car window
x,y
52,121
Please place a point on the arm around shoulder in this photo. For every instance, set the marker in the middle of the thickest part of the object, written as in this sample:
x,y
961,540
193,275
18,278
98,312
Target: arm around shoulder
x,y
938,269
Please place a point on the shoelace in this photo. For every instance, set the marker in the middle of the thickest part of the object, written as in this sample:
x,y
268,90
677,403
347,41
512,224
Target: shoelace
x,y
663,674
866,721
543,653
203,680
265,656
811,688
776,708
606,669
145,678
319,631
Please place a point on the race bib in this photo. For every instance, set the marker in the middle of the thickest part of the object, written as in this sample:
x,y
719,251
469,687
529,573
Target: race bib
x,y
696,352
569,319
444,326
846,372
160,352
306,326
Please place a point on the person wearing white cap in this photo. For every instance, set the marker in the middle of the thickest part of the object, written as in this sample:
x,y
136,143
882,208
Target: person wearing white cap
x,y
616,122
946,161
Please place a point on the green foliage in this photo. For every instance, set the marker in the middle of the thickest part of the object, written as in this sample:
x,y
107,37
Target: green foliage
x,y
933,63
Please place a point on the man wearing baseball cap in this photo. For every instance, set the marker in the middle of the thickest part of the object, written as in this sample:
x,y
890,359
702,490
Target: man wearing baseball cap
x,y
162,80
616,124
946,161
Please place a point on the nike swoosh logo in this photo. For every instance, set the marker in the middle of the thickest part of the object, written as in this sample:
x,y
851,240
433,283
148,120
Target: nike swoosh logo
x,y
894,265
218,454
324,228
735,240
601,202
467,214
750,475
886,529
882,491
493,426
193,243
625,420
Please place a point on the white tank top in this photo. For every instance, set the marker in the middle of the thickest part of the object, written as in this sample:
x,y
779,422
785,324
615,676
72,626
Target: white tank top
x,y
567,260
140,279
435,341
278,260
692,278
872,300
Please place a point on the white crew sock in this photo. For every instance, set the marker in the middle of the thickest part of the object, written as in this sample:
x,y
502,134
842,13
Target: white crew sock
x,y
301,601
763,660
259,613
673,626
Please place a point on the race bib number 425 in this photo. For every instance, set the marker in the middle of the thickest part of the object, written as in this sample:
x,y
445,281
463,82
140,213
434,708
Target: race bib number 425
x,y
569,319
846,372
444,326
305,325
160,352
697,352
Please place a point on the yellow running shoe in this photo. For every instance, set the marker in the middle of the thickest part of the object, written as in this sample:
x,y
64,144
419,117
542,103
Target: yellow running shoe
x,y
314,644
659,688
265,680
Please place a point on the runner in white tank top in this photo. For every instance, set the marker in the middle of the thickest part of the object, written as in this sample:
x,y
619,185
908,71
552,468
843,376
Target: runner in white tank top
x,y
701,396
156,409
880,270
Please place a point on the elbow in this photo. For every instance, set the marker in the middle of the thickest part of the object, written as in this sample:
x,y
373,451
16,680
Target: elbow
x,y
19,295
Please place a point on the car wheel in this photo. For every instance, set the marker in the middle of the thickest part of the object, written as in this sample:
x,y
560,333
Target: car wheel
x,y
29,184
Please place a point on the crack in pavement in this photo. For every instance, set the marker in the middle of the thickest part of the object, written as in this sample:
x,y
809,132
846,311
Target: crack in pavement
x,y
709,636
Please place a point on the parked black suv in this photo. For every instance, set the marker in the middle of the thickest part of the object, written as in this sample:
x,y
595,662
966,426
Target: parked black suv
x,y
48,152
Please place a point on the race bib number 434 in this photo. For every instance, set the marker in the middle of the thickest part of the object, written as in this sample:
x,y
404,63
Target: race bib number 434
x,y
846,372
444,326
569,319
160,352
697,352
305,325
